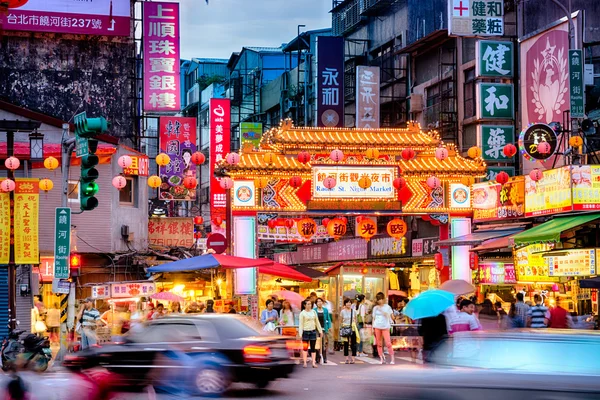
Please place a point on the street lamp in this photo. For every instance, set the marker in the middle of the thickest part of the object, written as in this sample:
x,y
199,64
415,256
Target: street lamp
x,y
36,146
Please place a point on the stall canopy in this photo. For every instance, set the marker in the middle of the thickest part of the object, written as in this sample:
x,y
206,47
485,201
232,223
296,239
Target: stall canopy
x,y
505,242
477,237
550,231
209,261
592,283
279,270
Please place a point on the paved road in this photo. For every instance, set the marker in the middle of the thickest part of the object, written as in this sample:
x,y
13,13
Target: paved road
x,y
333,381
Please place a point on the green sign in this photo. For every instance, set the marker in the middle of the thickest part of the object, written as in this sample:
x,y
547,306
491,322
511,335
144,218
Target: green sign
x,y
81,146
495,58
576,81
493,140
251,132
493,172
62,242
495,101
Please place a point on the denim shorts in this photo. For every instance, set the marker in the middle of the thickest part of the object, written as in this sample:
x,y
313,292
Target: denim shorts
x,y
309,335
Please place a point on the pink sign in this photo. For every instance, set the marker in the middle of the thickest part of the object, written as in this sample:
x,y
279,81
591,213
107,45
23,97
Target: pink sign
x,y
220,141
353,249
98,17
497,273
161,57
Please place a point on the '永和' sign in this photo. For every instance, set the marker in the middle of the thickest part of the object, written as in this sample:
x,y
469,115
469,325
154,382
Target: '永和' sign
x,y
161,57
330,81
476,17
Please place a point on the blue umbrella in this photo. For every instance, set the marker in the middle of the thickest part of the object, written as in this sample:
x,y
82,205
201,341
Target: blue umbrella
x,y
429,304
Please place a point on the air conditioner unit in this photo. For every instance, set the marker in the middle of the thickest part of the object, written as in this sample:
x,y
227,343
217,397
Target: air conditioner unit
x,y
416,103
288,104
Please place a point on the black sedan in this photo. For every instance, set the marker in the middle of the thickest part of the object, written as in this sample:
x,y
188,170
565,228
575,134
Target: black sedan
x,y
201,354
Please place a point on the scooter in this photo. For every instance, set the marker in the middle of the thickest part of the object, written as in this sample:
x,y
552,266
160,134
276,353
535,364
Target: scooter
x,y
10,349
31,353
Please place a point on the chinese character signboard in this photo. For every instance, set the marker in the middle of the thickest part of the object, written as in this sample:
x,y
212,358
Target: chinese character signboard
x,y
139,165
161,57
244,194
494,59
492,201
576,83
4,227
495,101
171,232
26,221
586,187
62,242
492,172
493,140
550,195
575,262
347,182
134,289
367,97
485,197
497,273
424,247
530,266
220,142
330,81
387,246
177,138
100,292
476,17
46,269
100,17
251,133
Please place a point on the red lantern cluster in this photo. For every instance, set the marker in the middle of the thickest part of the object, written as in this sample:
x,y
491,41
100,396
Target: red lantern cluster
x,y
502,177
198,158
295,181
289,223
190,183
304,157
408,154
509,150
272,223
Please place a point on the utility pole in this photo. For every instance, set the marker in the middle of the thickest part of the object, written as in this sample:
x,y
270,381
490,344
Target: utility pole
x,y
567,11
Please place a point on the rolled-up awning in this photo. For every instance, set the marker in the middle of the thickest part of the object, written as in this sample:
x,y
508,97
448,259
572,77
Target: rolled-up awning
x,y
550,231
477,237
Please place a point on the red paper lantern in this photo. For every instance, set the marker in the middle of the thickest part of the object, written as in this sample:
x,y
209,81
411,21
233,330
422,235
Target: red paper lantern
x,y
7,185
217,220
307,228
441,153
198,220
325,222
544,148
344,219
125,161
289,223
190,182
198,158
439,261
329,182
397,228
232,158
226,183
502,177
12,163
272,223
473,261
336,228
536,175
408,154
119,182
399,183
295,181
367,228
197,235
336,155
304,157
359,218
434,182
509,150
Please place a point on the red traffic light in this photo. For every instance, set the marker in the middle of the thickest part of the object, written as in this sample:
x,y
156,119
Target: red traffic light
x,y
75,261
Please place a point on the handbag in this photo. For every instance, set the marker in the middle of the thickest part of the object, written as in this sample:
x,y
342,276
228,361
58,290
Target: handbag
x,y
318,344
346,331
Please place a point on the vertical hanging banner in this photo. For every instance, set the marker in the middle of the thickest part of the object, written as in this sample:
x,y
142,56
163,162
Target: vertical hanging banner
x,y
4,227
330,81
178,139
220,142
161,57
26,212
576,83
367,97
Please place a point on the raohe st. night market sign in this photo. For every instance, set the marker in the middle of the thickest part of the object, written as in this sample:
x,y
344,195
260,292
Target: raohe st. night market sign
x,y
347,182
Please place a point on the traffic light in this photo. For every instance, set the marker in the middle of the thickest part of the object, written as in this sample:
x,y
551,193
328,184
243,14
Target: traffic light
x,y
86,129
74,264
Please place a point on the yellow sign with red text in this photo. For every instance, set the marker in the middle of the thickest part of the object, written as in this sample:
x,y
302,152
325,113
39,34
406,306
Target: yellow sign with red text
x,y
26,220
4,227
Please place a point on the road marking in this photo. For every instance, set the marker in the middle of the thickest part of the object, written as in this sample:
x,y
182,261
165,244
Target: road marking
x,y
369,360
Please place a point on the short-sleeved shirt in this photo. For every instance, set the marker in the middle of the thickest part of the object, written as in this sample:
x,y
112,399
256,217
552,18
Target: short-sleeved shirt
x,y
381,316
90,317
538,314
464,322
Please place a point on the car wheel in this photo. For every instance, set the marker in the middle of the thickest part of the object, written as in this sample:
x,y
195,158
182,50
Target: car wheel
x,y
262,384
211,381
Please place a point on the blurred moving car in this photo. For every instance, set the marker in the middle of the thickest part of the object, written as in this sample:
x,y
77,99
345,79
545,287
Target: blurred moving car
x,y
200,354
527,364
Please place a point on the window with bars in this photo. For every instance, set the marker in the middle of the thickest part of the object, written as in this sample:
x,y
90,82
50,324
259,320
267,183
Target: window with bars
x,y
469,93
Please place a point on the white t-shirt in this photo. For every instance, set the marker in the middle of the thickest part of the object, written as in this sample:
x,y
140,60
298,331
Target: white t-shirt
x,y
381,316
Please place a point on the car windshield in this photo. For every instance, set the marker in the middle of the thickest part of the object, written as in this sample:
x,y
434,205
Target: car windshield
x,y
238,327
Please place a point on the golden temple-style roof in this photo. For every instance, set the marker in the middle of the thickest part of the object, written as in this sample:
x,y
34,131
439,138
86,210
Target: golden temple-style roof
x,y
286,141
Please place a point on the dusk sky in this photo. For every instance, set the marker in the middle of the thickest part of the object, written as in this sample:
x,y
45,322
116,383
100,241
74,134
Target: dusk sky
x,y
224,26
